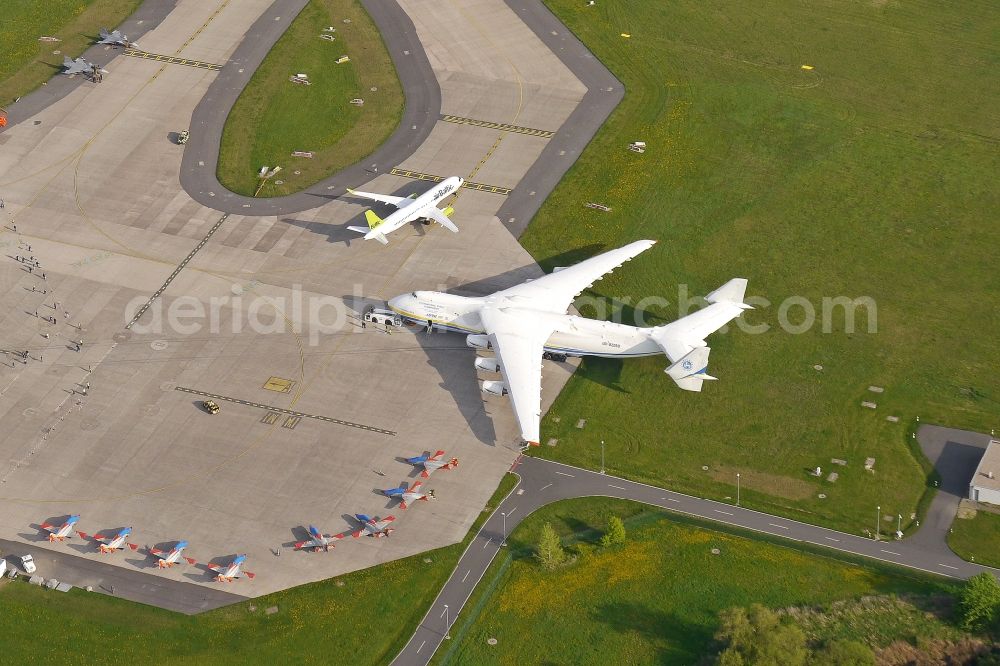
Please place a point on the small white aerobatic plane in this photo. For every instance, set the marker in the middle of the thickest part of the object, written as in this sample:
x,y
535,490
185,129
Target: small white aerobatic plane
x,y
409,209
521,323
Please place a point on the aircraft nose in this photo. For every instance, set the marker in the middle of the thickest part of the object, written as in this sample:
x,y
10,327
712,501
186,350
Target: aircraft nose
x,y
401,302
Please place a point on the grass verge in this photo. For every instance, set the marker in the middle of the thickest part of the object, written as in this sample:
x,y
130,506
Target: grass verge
x,y
25,62
867,176
976,539
369,614
274,117
656,599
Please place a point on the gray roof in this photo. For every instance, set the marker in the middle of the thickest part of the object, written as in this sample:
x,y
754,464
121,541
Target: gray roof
x,y
989,463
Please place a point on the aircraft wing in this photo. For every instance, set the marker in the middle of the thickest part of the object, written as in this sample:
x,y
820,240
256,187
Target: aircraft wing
x,y
384,198
519,340
555,292
438,216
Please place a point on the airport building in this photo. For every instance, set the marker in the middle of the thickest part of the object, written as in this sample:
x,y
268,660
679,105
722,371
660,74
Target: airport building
x,y
985,485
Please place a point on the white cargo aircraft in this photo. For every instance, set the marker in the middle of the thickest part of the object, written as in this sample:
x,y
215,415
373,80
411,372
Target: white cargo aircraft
x,y
409,209
521,323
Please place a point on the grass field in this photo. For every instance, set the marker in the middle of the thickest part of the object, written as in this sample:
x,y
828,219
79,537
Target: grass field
x,y
368,615
274,117
873,174
977,539
656,599
25,62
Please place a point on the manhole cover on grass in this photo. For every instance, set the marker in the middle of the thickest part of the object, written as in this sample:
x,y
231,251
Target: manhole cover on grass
x,y
716,551
491,641
821,496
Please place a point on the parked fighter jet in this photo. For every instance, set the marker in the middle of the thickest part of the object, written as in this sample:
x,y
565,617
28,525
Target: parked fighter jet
x,y
408,495
373,527
81,66
423,207
116,38
231,571
522,323
117,542
318,541
431,463
166,559
62,532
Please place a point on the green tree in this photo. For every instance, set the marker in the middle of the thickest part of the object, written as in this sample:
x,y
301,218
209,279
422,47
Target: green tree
x,y
979,603
615,533
756,637
550,551
839,652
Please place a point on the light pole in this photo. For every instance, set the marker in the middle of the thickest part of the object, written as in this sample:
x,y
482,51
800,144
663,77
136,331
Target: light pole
x,y
878,519
447,624
503,540
737,488
899,525
602,456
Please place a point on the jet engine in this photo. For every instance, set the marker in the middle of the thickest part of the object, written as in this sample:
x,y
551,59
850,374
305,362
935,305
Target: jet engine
x,y
487,364
494,388
478,341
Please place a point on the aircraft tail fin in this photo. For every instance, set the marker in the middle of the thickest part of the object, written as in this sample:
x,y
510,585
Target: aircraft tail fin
x,y
690,371
373,219
104,33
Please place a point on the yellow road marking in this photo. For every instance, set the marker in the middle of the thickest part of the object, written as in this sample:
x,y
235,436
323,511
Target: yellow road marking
x,y
503,127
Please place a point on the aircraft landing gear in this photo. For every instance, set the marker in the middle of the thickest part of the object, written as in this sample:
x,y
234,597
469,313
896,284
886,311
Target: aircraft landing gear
x,y
552,356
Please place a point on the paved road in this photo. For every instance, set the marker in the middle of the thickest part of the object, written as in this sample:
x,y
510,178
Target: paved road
x,y
134,585
144,19
542,482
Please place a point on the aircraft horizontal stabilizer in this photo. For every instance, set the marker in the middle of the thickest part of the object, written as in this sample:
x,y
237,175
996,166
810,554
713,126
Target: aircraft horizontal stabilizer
x,y
360,230
731,292
690,370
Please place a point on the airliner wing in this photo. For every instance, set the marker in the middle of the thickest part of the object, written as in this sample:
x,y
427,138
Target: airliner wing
x,y
384,198
438,216
519,340
555,292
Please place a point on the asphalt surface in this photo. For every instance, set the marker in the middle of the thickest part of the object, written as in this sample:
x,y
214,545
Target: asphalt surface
x,y
148,16
134,585
542,482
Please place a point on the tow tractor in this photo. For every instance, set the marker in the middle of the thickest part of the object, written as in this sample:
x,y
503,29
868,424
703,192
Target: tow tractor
x,y
374,315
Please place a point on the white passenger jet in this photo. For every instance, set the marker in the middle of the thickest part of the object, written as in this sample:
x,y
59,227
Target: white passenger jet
x,y
409,209
522,323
